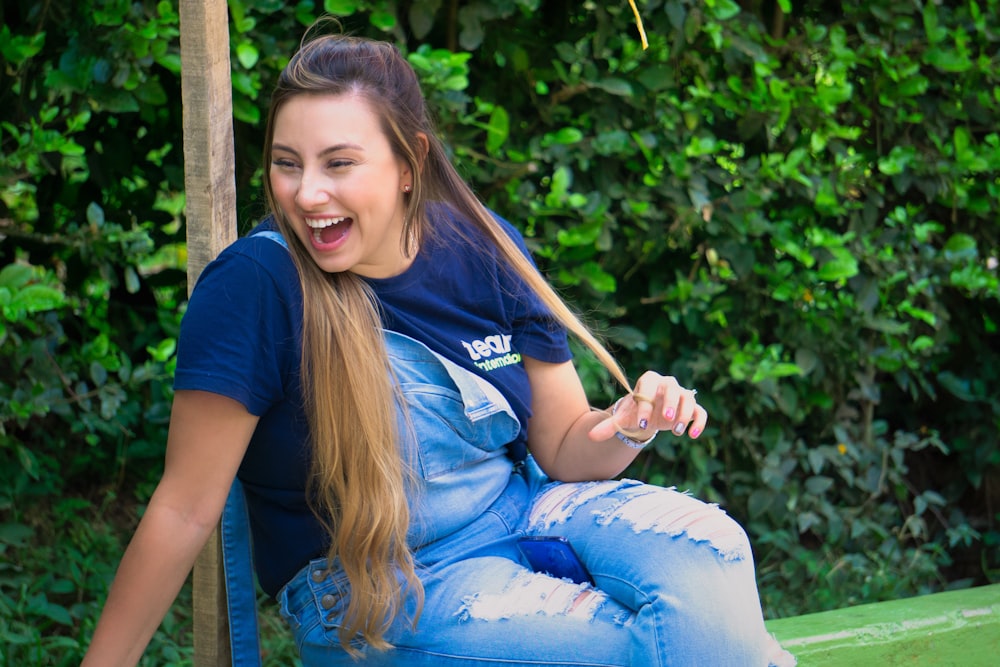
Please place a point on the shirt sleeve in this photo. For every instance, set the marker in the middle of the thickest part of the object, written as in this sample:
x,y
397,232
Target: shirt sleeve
x,y
239,335
536,332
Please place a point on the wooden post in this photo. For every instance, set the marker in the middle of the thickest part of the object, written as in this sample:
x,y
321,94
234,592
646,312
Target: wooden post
x,y
209,183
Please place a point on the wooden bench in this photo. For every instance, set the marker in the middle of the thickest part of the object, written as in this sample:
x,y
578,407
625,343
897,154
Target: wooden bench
x,y
938,630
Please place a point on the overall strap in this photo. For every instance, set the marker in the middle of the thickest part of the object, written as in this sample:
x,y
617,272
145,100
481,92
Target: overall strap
x,y
241,594
237,563
274,236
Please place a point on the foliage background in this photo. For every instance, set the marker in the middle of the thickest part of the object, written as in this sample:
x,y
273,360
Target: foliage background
x,y
788,205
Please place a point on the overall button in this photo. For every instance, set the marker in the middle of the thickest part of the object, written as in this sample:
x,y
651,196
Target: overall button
x,y
328,600
318,575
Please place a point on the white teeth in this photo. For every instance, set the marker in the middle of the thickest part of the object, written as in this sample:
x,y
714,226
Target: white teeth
x,y
324,222
319,224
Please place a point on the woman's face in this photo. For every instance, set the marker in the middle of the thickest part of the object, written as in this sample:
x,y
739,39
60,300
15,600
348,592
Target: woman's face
x,y
335,177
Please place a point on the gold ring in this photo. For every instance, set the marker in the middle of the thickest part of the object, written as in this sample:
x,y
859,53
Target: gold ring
x,y
639,398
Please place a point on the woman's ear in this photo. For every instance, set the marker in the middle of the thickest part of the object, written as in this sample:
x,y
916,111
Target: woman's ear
x,y
422,149
425,148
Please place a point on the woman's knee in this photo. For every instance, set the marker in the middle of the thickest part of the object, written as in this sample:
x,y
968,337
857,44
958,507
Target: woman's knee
x,y
644,510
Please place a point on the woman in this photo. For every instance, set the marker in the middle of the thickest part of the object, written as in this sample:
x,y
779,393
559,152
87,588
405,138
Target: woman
x,y
376,379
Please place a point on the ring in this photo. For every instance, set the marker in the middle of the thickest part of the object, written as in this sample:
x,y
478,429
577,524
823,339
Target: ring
x,y
694,392
639,398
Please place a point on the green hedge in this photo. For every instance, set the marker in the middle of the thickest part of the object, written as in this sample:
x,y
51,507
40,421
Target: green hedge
x,y
790,208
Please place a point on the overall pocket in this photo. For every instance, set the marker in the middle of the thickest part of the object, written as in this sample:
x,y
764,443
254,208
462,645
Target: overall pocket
x,y
313,604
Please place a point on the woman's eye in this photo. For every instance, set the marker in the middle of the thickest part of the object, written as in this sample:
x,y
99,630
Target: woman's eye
x,y
337,164
282,163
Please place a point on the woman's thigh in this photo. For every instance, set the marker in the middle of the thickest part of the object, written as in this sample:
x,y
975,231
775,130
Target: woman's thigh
x,y
481,611
674,576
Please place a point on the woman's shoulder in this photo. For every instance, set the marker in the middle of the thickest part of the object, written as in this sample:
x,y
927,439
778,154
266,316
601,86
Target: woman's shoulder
x,y
262,242
262,252
453,231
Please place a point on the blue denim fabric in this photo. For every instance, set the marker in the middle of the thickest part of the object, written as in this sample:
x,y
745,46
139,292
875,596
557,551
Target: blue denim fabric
x,y
674,576
241,595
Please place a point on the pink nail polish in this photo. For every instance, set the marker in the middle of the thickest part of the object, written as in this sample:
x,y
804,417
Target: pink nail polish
x,y
695,432
669,414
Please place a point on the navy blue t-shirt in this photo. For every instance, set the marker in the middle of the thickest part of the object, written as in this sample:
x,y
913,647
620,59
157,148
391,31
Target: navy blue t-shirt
x,y
241,338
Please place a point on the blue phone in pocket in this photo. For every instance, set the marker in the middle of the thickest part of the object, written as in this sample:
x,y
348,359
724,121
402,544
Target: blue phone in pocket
x,y
555,556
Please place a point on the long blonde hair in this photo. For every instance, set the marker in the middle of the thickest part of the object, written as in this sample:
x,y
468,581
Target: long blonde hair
x,y
358,481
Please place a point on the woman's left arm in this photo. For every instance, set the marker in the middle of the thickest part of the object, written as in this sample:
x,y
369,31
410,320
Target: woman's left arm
x,y
573,442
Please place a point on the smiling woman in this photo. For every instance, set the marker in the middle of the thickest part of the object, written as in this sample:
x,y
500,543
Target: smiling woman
x,y
396,394
341,186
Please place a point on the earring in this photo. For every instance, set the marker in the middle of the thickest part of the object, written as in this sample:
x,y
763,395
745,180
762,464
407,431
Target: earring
x,y
407,188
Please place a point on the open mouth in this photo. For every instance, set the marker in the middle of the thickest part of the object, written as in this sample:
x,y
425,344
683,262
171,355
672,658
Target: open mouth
x,y
327,231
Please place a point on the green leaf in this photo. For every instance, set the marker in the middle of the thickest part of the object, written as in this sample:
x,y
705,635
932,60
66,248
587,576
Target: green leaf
x,y
455,82
599,279
947,61
918,313
246,110
886,325
760,501
579,235
247,54
421,16
132,283
340,7
15,276
16,49
15,534
98,374
897,161
962,141
935,32
57,613
959,387
565,136
841,267
245,25
960,247
95,214
723,9
818,485
28,461
921,343
384,21
770,370
497,130
911,87
37,298
164,350
615,86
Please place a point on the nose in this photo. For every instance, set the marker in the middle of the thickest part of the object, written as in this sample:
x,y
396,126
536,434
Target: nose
x,y
313,190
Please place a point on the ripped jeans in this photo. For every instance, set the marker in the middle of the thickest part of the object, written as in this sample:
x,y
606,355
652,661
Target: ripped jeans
x,y
674,579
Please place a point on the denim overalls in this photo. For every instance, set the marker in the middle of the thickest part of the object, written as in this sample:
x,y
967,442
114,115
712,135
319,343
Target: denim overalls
x,y
674,576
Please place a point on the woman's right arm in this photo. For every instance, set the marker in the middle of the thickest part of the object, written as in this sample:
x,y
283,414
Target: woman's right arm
x,y
208,436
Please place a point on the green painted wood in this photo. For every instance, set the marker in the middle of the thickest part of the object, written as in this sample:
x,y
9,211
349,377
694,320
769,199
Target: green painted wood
x,y
938,630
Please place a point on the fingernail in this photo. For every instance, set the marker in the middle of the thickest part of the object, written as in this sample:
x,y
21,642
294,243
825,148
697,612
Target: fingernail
x,y
643,423
695,432
679,428
669,414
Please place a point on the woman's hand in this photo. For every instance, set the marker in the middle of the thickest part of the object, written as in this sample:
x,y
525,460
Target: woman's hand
x,y
658,403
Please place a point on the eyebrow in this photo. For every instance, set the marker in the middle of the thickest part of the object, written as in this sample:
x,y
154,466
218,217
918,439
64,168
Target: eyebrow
x,y
326,151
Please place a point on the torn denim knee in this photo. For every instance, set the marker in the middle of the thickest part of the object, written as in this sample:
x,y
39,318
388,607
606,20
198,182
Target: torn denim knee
x,y
644,508
530,593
